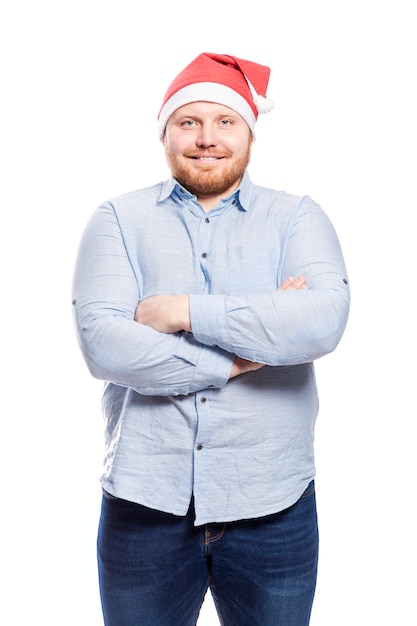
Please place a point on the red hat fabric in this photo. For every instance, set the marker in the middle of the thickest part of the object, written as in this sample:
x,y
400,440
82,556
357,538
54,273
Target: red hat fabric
x,y
223,79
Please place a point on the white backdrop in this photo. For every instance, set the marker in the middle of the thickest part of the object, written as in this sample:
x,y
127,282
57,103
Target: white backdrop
x,y
82,82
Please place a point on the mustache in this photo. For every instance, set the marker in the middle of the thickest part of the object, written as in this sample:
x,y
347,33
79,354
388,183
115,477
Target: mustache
x,y
207,153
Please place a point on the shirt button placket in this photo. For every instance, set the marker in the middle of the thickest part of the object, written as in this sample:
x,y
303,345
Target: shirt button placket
x,y
204,243
203,422
203,400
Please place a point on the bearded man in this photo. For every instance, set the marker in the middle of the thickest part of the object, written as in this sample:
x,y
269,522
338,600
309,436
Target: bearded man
x,y
203,302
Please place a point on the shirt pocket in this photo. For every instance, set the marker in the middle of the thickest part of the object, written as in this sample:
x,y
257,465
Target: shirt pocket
x,y
253,269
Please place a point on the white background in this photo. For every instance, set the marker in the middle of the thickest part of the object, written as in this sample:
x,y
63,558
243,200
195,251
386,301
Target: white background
x,y
82,83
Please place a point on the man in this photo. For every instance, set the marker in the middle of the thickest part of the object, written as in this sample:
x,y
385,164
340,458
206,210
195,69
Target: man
x,y
203,302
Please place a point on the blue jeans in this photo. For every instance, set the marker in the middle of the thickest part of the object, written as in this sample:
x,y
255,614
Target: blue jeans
x,y
155,568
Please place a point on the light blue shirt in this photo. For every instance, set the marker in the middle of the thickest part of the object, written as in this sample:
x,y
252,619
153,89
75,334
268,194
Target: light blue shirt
x,y
175,425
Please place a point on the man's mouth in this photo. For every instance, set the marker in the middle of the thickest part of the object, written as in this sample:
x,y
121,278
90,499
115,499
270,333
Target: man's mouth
x,y
206,157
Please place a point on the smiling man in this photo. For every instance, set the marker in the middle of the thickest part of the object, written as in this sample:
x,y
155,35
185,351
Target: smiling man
x,y
207,147
202,302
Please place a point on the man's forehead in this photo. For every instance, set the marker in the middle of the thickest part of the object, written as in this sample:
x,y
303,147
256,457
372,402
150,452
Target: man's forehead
x,y
204,107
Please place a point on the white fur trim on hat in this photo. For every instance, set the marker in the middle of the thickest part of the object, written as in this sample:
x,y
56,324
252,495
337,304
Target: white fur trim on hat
x,y
206,92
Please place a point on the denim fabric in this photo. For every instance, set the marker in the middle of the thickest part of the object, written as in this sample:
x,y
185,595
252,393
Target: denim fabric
x,y
155,568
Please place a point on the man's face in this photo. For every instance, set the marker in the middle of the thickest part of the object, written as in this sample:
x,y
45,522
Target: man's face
x,y
207,147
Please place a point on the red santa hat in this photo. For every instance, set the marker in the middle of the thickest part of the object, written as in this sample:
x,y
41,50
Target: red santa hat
x,y
238,84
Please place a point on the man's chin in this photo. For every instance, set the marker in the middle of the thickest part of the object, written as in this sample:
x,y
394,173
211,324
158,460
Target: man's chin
x,y
206,187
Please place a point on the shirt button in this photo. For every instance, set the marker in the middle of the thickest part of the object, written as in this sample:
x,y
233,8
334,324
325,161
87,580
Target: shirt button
x,y
200,446
204,255
203,399
207,220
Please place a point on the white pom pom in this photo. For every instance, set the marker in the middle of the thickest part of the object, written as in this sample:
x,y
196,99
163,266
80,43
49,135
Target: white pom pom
x,y
264,105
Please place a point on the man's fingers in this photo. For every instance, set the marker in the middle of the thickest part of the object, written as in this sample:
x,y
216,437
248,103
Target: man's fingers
x,y
293,283
286,284
300,283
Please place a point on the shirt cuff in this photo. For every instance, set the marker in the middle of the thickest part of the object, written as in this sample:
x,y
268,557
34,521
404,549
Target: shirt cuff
x,y
212,365
208,319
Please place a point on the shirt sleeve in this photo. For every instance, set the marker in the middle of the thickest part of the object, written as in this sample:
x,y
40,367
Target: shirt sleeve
x,y
115,347
285,327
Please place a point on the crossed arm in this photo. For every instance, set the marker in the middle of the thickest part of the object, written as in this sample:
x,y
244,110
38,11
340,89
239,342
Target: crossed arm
x,y
171,314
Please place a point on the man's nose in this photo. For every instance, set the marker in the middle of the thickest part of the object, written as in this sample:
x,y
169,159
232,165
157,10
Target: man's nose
x,y
207,136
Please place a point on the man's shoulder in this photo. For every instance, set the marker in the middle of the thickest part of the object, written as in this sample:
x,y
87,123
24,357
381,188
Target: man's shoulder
x,y
278,194
278,198
137,196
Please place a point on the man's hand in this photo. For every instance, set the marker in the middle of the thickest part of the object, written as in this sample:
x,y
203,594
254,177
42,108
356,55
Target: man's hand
x,y
167,314
291,283
241,366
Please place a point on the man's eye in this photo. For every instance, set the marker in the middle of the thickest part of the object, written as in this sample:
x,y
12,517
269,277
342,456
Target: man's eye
x,y
225,122
188,123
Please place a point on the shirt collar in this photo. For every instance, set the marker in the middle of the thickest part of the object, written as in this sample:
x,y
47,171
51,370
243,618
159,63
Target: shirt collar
x,y
243,193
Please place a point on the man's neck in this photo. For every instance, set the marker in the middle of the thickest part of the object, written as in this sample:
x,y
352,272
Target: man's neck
x,y
209,203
